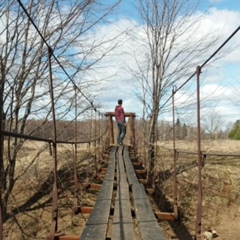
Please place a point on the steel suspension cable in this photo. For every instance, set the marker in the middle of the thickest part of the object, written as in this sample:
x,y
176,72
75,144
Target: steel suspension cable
x,y
76,189
53,55
54,224
204,63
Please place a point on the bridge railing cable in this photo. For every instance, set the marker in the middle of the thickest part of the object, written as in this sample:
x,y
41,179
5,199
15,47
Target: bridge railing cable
x,y
201,157
202,65
200,154
54,141
52,52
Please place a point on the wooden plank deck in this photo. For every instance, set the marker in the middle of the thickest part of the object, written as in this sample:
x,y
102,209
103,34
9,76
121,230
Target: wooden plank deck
x,y
122,219
122,225
97,224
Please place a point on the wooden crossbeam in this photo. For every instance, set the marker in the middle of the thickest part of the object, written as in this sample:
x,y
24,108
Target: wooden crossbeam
x,y
137,164
165,216
91,186
141,171
143,181
150,190
67,237
103,170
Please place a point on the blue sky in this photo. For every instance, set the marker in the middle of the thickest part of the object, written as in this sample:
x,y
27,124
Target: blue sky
x,y
227,4
219,81
125,8
219,78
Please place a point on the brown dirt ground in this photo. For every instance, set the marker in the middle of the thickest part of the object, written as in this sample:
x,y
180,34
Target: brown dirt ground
x,y
30,202
220,181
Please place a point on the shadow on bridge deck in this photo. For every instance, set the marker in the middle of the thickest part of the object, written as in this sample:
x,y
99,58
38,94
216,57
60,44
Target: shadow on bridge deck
x,y
122,210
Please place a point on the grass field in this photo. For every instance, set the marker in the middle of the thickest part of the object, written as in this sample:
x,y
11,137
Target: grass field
x,y
220,181
30,203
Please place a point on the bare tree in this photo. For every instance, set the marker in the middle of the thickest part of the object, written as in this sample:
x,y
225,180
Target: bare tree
x,y
170,56
213,123
68,29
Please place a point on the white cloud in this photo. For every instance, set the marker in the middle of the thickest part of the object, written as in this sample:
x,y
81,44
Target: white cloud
x,y
113,71
222,22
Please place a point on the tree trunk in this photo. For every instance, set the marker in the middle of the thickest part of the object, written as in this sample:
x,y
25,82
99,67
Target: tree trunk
x,y
151,152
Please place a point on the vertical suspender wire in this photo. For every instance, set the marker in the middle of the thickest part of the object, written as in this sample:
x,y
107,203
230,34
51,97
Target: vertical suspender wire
x,y
76,205
104,139
91,134
105,125
141,137
175,204
137,136
103,128
99,136
1,217
156,140
107,142
97,152
138,142
1,151
199,204
144,127
54,224
89,146
134,133
95,133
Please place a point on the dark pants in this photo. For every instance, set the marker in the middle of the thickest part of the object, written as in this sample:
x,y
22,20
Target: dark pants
x,y
121,132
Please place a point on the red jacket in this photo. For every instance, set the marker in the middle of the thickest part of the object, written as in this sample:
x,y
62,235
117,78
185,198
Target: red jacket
x,y
119,114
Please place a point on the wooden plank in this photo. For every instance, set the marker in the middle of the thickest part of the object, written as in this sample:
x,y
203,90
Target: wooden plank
x,y
109,176
97,224
122,220
150,230
105,192
123,230
94,232
131,175
122,211
123,191
100,212
144,210
147,222
132,178
139,191
121,173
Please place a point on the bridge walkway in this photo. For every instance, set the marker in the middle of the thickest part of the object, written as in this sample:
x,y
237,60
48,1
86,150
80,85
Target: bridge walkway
x,y
122,210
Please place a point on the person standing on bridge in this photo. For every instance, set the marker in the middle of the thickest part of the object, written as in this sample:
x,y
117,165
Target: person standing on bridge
x,y
121,122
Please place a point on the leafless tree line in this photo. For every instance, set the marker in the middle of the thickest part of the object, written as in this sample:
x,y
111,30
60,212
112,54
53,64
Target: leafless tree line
x,y
171,55
68,29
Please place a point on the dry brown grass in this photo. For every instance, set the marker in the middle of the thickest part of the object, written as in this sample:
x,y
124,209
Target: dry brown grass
x,y
220,181
31,201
